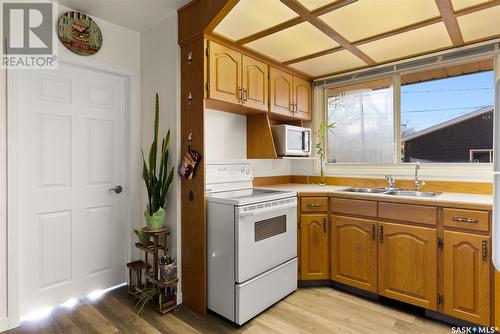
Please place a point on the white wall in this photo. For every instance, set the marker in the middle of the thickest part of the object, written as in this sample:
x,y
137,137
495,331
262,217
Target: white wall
x,y
225,139
160,72
3,223
120,50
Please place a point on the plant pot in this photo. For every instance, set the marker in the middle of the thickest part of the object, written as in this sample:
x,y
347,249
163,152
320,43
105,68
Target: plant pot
x,y
155,221
167,272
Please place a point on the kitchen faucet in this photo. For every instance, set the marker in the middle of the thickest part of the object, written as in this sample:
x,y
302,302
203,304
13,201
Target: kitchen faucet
x,y
391,182
418,184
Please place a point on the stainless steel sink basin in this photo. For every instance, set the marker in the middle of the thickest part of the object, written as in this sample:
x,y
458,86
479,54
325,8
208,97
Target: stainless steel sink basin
x,y
366,190
412,193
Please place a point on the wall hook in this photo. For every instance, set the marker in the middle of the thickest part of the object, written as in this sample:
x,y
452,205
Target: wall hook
x,y
190,57
190,98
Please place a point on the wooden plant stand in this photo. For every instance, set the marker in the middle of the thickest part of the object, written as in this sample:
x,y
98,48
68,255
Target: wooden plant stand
x,y
153,248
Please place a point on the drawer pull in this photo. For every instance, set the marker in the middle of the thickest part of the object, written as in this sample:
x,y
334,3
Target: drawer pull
x,y
466,220
313,205
484,250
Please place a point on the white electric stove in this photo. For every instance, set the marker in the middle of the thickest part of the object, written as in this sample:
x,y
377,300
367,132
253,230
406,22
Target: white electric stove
x,y
251,242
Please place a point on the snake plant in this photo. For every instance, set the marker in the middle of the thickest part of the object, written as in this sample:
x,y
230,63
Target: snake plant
x,y
158,180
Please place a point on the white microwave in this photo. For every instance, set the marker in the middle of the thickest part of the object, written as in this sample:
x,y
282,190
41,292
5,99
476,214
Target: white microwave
x,y
292,140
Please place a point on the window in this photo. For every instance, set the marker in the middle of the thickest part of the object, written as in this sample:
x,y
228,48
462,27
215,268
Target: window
x,y
364,123
445,115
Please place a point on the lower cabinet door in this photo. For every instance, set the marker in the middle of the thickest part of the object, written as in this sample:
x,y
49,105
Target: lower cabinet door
x,y
354,254
407,264
314,247
467,277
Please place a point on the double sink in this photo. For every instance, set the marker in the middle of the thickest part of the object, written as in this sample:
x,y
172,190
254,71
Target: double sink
x,y
392,191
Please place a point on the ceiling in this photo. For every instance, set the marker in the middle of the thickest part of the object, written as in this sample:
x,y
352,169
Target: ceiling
x,y
325,37
138,15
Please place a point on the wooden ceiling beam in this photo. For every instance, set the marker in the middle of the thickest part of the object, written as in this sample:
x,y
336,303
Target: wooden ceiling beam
x,y
313,55
270,31
327,30
478,7
450,21
297,20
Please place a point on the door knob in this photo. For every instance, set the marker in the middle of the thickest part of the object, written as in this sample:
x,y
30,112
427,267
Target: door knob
x,y
117,189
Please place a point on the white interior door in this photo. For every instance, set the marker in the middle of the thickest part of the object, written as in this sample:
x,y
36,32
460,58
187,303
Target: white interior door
x,y
73,231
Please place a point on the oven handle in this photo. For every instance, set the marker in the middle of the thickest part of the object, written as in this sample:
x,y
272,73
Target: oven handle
x,y
265,210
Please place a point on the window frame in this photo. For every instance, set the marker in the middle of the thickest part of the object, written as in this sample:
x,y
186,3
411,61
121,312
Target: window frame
x,y
442,171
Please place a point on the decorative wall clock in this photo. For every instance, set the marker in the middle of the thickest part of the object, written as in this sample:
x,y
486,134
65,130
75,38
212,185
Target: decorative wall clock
x,y
79,33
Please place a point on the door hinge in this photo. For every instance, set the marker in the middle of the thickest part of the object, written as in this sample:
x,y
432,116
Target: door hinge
x,y
208,86
440,299
440,243
207,52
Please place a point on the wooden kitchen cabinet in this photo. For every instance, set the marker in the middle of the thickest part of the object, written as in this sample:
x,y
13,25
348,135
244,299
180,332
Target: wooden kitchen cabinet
x,y
314,247
281,92
224,74
407,264
237,78
289,95
255,83
302,96
354,252
466,277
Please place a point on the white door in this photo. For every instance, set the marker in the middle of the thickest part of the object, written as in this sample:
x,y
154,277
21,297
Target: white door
x,y
73,233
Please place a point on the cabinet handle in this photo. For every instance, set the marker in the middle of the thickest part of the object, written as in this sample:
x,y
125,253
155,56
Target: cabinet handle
x,y
296,109
240,94
324,225
374,232
245,95
381,233
484,250
313,205
465,220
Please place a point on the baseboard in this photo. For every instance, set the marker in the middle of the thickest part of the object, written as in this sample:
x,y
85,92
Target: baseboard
x,y
179,298
4,324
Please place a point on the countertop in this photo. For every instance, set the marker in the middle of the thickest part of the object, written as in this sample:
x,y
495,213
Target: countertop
x,y
458,200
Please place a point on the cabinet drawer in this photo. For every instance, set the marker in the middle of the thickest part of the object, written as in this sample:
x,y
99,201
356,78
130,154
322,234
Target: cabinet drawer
x,y
468,219
314,204
354,207
408,212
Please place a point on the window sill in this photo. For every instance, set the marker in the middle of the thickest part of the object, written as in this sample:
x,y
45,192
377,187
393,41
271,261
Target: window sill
x,y
444,172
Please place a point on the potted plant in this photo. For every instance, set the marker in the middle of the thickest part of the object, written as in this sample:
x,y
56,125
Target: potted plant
x,y
157,180
321,133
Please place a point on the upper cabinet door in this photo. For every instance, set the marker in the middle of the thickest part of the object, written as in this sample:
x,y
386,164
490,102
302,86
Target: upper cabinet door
x,y
407,264
281,92
224,74
255,84
302,98
354,253
467,277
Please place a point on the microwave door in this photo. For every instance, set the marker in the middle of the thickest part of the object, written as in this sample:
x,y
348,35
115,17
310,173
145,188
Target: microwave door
x,y
296,142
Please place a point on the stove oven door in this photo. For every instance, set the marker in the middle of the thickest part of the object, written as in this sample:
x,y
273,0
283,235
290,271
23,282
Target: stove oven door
x,y
265,235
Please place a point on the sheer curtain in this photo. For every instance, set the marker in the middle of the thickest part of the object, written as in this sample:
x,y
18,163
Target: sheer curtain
x,y
364,126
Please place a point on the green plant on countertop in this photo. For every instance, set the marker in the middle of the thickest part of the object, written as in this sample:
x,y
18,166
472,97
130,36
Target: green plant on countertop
x,y
158,180
320,134
145,296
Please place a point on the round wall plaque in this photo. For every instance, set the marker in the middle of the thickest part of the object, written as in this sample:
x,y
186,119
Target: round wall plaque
x,y
79,33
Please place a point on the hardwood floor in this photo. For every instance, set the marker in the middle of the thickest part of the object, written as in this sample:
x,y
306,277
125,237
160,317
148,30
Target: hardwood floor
x,y
308,310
